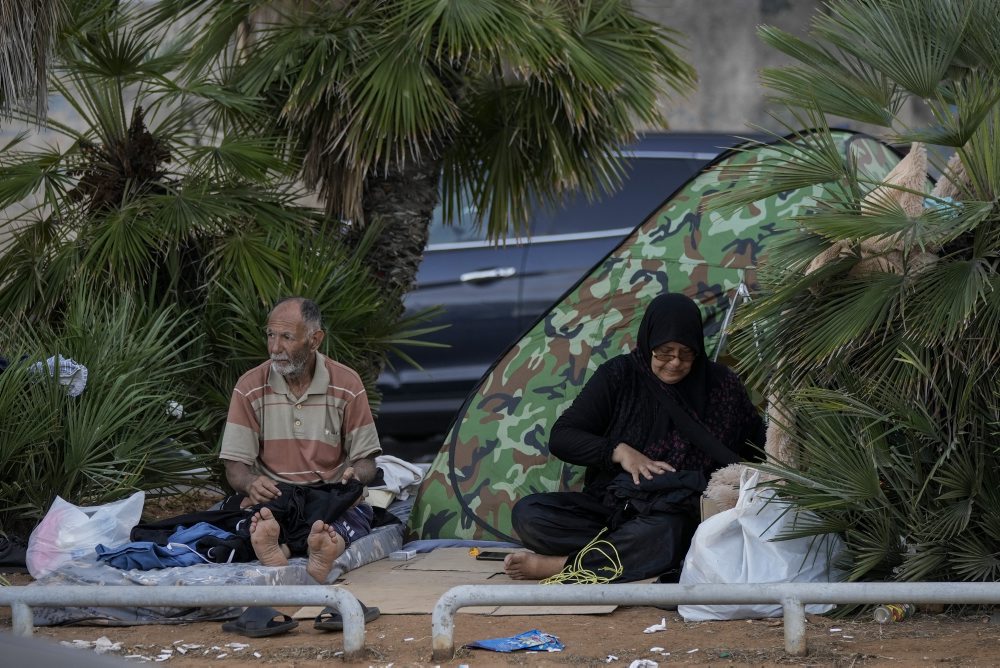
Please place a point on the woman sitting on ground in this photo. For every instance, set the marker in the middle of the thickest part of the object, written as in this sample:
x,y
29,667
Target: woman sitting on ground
x,y
662,417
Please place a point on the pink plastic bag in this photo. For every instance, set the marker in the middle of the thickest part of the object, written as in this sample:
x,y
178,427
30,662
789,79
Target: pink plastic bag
x,y
69,532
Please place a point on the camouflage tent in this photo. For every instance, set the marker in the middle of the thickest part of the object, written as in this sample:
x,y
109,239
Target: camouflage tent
x,y
496,451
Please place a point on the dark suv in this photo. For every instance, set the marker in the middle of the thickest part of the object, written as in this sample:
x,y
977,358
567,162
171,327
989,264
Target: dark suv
x,y
491,295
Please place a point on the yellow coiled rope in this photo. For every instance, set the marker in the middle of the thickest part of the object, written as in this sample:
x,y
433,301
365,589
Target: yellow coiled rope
x,y
575,573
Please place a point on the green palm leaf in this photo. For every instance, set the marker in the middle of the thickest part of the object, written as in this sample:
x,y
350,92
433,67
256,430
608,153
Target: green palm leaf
x,y
946,298
836,84
976,94
912,44
887,353
804,160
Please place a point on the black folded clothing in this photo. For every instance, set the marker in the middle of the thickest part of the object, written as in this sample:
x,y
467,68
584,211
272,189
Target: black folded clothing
x,y
13,554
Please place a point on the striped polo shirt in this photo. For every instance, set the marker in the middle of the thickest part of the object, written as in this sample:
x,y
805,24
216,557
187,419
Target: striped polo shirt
x,y
305,439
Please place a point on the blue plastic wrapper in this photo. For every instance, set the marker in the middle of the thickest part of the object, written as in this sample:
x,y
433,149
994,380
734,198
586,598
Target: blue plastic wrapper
x,y
533,640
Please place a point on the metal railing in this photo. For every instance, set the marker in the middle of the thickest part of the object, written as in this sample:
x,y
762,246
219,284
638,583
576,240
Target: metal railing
x,y
21,600
792,596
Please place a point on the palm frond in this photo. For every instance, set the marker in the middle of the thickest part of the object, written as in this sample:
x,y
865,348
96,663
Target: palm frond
x,y
236,159
945,299
979,157
912,45
976,94
874,547
834,83
25,174
980,46
457,29
879,327
975,560
117,435
802,160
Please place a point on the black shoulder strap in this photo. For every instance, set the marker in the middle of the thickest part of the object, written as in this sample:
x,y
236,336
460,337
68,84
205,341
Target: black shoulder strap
x,y
695,432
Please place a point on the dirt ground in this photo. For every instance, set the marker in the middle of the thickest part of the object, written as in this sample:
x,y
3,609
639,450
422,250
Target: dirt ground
x,y
950,639
955,638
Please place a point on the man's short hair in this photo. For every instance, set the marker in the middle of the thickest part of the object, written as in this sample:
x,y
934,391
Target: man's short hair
x,y
311,315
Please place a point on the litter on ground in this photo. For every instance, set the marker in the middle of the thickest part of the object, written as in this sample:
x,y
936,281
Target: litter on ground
x,y
662,626
533,640
643,663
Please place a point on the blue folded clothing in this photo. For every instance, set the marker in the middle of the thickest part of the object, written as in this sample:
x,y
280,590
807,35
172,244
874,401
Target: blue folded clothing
x,y
185,547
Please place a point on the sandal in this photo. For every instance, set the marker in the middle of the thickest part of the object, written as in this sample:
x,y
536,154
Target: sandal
x,y
330,620
259,622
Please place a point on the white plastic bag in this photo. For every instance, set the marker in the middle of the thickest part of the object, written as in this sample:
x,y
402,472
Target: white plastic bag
x,y
736,546
69,532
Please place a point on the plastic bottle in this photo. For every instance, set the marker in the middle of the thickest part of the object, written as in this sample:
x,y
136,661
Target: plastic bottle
x,y
894,612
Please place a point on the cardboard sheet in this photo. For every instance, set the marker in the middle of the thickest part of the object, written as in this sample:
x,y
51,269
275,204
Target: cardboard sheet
x,y
414,586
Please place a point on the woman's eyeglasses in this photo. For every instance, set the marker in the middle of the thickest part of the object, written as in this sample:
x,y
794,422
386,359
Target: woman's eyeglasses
x,y
685,356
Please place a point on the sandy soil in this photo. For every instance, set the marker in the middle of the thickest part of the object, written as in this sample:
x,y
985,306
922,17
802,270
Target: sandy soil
x,y
955,638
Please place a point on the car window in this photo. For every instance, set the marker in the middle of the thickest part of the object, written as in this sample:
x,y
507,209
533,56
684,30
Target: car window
x,y
462,229
648,182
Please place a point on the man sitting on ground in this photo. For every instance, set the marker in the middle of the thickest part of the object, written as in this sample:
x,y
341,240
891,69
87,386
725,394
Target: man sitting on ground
x,y
299,418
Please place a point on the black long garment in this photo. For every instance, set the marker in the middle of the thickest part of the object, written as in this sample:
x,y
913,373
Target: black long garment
x,y
616,406
298,507
159,531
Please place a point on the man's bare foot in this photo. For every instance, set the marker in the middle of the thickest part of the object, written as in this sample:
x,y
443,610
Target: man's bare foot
x,y
531,566
264,533
325,545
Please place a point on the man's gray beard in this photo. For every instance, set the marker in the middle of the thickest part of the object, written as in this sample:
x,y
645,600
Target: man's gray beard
x,y
287,367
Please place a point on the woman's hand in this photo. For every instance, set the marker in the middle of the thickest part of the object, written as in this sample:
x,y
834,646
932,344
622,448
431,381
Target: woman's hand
x,y
636,463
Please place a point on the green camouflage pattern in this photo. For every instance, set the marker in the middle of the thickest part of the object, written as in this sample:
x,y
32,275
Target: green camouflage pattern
x,y
497,451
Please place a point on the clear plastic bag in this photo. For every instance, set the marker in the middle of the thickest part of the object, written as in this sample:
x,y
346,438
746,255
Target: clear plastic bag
x,y
69,532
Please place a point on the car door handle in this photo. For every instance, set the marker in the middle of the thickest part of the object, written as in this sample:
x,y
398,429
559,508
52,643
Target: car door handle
x,y
487,275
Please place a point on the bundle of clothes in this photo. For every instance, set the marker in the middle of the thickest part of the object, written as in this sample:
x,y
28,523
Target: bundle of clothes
x,y
223,535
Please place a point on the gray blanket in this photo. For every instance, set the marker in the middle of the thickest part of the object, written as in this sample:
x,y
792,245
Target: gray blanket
x,y
377,545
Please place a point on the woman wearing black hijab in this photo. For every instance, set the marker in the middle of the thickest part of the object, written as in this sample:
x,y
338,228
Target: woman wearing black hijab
x,y
650,426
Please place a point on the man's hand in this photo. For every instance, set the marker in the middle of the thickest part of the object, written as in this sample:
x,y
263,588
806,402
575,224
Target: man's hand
x,y
638,464
262,490
258,488
351,474
362,469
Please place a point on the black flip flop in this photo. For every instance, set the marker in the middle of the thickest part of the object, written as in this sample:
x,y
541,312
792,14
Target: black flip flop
x,y
258,622
330,620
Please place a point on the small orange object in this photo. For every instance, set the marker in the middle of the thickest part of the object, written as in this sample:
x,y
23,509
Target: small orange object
x,y
473,551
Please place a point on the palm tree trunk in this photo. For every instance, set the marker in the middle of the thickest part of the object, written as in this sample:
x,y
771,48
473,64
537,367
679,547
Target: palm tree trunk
x,y
402,201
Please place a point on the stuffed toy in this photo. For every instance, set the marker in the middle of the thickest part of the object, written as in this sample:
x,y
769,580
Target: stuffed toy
x,y
724,485
903,188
